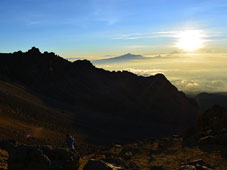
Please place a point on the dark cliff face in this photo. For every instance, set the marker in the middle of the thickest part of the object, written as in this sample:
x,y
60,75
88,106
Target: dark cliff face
x,y
150,100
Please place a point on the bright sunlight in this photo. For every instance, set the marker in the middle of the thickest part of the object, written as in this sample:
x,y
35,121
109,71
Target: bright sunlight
x,y
190,40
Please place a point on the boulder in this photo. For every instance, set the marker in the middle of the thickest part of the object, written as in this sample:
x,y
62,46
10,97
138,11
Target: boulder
x,y
41,162
63,158
42,157
28,157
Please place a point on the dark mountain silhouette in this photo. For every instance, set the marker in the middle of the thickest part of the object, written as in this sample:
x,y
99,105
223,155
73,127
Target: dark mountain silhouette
x,y
110,105
123,58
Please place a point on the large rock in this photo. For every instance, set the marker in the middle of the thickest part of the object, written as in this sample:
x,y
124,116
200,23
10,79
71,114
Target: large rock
x,y
65,159
27,157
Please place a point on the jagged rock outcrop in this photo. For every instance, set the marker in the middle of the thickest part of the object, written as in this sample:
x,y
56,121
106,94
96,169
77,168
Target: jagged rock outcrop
x,y
211,132
39,157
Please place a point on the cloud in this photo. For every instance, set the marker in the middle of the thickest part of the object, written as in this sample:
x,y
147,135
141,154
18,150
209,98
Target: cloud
x,y
192,84
135,36
144,72
107,66
188,85
165,34
132,36
177,33
74,58
203,85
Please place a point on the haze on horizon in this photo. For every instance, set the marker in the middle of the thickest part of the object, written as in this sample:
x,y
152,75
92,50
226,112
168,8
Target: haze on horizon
x,y
189,36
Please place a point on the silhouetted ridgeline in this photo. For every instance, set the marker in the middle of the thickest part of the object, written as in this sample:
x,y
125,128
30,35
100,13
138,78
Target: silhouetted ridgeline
x,y
108,103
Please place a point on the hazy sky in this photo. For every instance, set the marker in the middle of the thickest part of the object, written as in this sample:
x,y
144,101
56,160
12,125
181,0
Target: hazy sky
x,y
189,35
95,28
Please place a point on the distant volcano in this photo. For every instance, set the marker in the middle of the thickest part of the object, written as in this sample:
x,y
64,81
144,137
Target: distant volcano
x,y
123,58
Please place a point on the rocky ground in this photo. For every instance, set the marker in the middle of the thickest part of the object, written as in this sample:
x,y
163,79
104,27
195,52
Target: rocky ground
x,y
162,154
203,147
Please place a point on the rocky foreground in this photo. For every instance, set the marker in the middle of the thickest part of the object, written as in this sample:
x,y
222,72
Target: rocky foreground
x,y
203,147
155,154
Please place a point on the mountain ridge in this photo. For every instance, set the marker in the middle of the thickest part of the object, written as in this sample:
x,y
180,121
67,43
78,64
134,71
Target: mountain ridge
x,y
101,98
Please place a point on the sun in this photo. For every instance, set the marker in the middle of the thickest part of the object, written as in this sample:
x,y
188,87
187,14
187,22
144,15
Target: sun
x,y
190,40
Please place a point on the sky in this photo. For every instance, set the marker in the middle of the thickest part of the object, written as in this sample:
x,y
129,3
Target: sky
x,y
190,31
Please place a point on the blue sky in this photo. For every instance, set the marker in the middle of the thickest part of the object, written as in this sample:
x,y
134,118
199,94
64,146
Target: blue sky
x,y
95,28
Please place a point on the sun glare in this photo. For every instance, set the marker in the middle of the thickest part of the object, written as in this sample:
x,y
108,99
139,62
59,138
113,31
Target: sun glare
x,y
190,40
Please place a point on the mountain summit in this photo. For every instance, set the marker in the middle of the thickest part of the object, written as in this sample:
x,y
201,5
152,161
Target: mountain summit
x,y
116,104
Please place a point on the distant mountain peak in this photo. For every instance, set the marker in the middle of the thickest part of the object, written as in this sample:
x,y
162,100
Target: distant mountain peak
x,y
122,58
130,54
